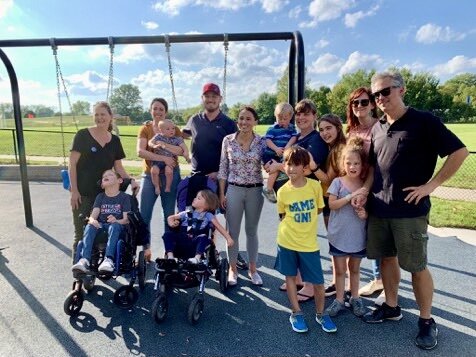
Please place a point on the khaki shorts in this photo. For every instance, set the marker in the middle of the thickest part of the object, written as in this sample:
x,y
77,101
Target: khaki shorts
x,y
405,238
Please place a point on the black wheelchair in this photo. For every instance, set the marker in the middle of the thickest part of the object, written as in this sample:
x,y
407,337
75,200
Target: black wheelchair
x,y
127,262
182,274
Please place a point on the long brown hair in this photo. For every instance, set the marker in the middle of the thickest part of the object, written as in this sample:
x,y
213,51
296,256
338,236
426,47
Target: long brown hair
x,y
352,120
335,148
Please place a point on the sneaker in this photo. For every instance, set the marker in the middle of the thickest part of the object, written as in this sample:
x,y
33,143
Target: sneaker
x,y
427,337
383,312
297,322
269,195
82,266
326,323
241,263
330,290
371,288
335,308
255,278
358,307
380,299
107,266
194,260
232,278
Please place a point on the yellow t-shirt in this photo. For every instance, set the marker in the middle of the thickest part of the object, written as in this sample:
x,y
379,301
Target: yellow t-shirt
x,y
297,231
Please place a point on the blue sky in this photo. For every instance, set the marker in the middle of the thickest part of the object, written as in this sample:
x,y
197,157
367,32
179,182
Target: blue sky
x,y
340,36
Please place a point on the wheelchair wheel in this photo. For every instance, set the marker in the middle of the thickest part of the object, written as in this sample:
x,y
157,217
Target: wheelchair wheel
x,y
141,267
223,278
73,303
126,296
160,307
88,282
195,309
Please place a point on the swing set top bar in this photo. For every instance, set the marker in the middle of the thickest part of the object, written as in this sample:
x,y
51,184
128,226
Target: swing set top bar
x,y
126,40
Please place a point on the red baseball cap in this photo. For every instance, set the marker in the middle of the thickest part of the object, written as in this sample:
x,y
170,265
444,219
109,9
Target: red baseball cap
x,y
211,87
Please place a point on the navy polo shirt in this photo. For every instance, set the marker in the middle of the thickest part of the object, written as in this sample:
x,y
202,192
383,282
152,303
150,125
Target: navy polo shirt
x,y
207,137
404,154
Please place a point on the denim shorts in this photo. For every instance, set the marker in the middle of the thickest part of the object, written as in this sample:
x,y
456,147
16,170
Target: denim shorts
x,y
339,253
404,238
288,262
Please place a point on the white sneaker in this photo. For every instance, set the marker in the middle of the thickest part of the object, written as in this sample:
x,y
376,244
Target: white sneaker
x,y
380,299
82,266
107,266
370,288
255,278
194,260
232,278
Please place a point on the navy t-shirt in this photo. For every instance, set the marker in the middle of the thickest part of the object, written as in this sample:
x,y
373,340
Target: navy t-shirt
x,y
404,154
207,137
318,148
116,205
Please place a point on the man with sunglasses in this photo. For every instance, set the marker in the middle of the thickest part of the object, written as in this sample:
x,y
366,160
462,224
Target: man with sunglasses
x,y
404,148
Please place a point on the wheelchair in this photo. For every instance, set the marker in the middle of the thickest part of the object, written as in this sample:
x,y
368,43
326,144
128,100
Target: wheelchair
x,y
182,274
126,262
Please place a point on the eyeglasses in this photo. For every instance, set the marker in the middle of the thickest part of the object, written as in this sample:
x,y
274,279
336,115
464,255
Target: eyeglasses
x,y
385,92
362,102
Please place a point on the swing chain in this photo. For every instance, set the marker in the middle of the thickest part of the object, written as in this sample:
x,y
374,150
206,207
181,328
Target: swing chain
x,y
110,81
167,48
225,45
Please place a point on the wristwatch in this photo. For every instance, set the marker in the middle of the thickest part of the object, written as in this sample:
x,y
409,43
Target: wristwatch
x,y
317,168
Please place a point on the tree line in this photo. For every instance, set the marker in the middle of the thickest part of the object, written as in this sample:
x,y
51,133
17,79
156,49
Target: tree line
x,y
454,101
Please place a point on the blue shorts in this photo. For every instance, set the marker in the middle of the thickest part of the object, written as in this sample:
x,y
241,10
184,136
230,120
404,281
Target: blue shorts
x,y
160,164
309,264
339,253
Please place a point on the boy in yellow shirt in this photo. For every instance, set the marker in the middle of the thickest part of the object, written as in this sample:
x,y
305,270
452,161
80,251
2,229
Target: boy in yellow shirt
x,y
299,201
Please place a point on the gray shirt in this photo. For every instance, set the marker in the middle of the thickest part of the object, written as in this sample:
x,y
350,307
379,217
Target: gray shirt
x,y
346,231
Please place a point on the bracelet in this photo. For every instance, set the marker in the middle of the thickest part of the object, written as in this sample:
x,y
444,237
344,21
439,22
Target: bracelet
x,y
314,170
348,197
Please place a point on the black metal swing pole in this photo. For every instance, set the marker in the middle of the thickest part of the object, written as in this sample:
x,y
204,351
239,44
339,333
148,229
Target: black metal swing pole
x,y
20,139
296,55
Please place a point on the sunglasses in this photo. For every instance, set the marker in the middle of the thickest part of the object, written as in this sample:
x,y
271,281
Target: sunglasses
x,y
385,92
362,102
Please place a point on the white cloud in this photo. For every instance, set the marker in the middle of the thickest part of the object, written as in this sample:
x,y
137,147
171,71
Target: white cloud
x,y
295,12
325,10
130,53
150,25
327,63
5,6
173,7
322,43
457,64
358,61
270,6
431,33
351,19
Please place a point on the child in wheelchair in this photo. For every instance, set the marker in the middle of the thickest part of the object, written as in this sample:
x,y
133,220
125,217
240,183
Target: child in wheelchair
x,y
109,214
192,238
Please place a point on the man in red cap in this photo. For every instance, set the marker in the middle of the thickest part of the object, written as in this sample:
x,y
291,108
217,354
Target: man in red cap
x,y
207,130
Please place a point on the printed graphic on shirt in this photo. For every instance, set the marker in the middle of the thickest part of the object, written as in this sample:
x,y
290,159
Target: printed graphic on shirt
x,y
115,209
301,210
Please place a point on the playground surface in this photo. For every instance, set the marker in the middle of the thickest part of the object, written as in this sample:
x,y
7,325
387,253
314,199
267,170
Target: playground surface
x,y
35,278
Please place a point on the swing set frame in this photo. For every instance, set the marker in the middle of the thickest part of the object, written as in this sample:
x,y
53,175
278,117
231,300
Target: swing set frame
x,y
296,79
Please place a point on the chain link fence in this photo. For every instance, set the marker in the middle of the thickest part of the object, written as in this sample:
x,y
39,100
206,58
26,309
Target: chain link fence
x,y
47,146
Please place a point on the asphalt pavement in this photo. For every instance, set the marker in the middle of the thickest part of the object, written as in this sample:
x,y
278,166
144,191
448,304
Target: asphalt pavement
x,y
35,278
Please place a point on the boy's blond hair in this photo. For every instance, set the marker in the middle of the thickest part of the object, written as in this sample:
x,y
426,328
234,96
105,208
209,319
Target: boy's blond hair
x,y
283,108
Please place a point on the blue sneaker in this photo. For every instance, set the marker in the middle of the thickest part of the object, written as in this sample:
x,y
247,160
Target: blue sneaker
x,y
326,323
297,322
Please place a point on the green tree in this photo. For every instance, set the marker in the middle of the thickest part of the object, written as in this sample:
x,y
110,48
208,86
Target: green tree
x,y
81,107
234,110
282,87
461,91
264,106
421,90
338,97
320,98
126,100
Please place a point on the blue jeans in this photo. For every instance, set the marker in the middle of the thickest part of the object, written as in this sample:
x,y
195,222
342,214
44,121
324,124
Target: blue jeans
x,y
113,230
184,246
167,199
